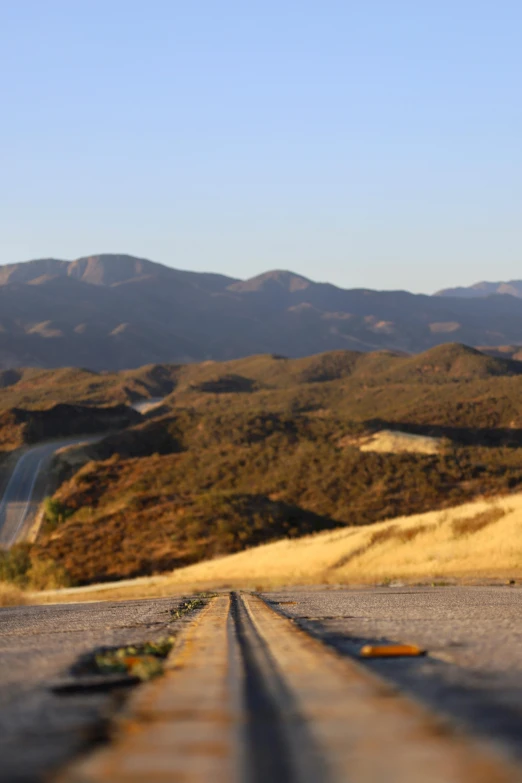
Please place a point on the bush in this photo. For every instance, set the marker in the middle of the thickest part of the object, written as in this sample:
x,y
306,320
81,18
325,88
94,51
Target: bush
x,y
55,513
220,472
21,567
45,574
14,564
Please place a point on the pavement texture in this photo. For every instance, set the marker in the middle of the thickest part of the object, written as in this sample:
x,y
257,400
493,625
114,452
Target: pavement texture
x,y
272,688
472,673
41,730
249,697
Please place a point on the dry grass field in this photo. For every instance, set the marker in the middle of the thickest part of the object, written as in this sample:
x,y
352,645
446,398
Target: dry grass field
x,y
11,595
477,541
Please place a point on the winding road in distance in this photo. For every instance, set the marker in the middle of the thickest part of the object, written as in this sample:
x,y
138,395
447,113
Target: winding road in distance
x,y
26,488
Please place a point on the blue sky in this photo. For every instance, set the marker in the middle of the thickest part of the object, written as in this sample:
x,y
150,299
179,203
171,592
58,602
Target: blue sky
x,y
371,143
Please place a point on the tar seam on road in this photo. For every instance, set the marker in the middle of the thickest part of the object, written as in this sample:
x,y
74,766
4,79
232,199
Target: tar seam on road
x,y
279,747
250,697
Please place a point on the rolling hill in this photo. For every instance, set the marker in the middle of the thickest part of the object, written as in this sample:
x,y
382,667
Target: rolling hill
x,y
257,449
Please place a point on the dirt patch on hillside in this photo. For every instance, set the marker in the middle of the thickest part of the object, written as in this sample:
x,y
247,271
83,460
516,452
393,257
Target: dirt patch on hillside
x,y
396,442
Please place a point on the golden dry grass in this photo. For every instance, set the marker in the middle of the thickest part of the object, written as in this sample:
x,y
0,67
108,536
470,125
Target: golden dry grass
x,y
479,540
11,595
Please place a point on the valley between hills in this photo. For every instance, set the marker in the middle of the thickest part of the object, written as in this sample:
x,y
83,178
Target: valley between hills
x,y
250,451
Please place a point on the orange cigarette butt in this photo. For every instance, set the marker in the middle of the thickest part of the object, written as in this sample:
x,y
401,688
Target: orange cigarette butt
x,y
390,650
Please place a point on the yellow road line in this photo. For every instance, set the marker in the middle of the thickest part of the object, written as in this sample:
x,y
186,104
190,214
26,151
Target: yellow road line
x,y
180,727
246,684
366,731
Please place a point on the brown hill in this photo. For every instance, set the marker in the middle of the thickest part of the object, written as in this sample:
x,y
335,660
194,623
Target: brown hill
x,y
452,361
277,280
255,449
33,388
110,312
20,427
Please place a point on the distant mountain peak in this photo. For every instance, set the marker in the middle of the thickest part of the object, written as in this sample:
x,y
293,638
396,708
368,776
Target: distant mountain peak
x,y
103,269
112,268
110,311
106,270
276,278
484,288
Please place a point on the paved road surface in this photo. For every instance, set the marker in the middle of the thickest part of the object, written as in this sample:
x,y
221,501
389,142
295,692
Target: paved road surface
x,y
259,702
26,489
473,635
39,729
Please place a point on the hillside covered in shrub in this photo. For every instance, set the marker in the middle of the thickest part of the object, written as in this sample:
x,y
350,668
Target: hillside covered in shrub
x,y
231,463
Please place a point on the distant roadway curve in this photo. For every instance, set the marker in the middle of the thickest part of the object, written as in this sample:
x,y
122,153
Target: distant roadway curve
x,y
25,492
26,488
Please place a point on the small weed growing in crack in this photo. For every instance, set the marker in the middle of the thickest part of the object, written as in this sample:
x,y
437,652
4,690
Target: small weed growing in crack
x,y
189,606
139,661
143,661
184,608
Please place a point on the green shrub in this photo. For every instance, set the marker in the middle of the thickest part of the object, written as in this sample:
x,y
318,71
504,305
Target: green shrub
x,y
45,574
55,513
21,567
14,564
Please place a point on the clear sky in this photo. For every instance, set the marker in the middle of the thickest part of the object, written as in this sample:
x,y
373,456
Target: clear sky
x,y
370,143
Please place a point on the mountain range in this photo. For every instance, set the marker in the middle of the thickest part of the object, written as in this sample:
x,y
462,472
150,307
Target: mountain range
x,y
512,288
117,311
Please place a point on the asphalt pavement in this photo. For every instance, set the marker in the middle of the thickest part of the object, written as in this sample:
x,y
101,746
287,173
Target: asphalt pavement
x,y
470,678
26,489
40,729
250,697
282,695
472,672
